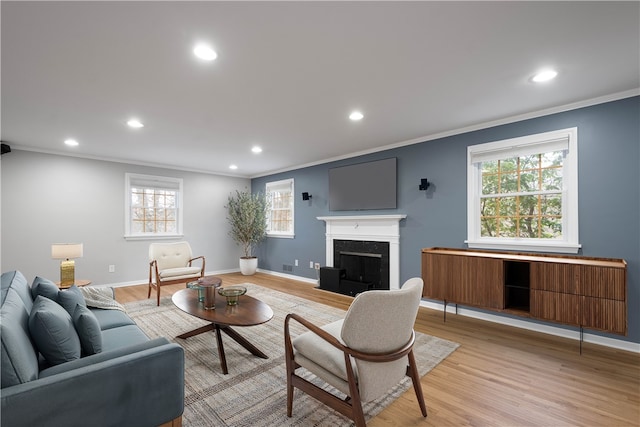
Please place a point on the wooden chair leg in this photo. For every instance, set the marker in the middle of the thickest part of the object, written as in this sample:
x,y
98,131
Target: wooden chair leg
x,y
358,414
415,379
289,366
158,288
149,291
289,396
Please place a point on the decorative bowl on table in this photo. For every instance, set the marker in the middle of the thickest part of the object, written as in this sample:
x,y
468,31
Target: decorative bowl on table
x,y
196,285
232,293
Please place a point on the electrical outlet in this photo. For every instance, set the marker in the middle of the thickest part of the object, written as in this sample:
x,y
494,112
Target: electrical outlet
x,y
317,266
310,264
112,268
295,263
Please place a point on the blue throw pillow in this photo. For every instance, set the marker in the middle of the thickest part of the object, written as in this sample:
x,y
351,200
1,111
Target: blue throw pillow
x,y
53,332
70,298
44,287
88,330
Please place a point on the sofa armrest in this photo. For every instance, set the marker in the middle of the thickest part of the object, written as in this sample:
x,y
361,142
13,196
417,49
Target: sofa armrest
x,y
143,388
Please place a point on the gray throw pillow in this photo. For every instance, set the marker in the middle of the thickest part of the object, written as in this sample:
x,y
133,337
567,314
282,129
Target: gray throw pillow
x,y
44,287
53,332
71,297
88,330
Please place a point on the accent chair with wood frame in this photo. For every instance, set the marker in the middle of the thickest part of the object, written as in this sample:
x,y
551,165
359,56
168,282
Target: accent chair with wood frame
x,y
170,264
363,355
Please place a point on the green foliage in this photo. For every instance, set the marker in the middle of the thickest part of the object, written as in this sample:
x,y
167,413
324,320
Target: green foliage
x,y
521,197
247,215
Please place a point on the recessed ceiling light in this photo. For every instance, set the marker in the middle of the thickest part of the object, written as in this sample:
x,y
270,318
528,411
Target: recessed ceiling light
x,y
256,149
71,142
544,76
205,52
135,123
356,115
234,167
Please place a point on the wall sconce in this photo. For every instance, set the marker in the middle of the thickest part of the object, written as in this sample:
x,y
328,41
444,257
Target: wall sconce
x,y
424,184
306,196
66,252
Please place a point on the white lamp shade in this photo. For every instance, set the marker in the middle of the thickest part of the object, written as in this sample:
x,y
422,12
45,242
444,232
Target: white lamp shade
x,y
66,250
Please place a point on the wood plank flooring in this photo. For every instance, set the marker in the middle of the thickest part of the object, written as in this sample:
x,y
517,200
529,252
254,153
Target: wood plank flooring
x,y
499,376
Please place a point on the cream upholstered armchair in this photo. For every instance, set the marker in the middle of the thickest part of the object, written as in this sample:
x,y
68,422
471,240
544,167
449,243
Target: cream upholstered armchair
x,y
362,355
171,263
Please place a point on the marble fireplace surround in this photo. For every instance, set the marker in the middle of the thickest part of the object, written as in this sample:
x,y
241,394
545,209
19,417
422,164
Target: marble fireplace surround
x,y
372,228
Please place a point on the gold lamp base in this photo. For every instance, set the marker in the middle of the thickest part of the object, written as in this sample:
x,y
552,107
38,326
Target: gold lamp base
x,y
67,273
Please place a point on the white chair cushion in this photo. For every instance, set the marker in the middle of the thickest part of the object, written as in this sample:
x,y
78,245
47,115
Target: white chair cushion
x,y
392,312
177,273
318,351
320,372
170,255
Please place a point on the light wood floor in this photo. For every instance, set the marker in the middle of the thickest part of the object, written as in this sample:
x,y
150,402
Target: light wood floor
x,y
499,376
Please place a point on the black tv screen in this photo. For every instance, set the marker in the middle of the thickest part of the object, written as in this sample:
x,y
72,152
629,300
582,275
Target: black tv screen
x,y
370,185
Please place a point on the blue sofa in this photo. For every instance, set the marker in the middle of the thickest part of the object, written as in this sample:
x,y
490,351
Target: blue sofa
x,y
125,379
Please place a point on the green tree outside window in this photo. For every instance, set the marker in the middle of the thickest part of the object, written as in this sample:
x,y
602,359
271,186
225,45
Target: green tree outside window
x,y
522,197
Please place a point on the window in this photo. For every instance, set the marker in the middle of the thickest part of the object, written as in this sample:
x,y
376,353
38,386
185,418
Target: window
x,y
522,193
153,206
280,216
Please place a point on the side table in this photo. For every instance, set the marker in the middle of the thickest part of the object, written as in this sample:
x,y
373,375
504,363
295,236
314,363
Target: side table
x,y
80,282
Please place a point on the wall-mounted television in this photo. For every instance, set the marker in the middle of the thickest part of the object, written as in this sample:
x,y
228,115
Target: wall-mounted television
x,y
370,185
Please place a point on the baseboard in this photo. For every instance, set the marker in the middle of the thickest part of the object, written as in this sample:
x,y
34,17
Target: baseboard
x,y
536,327
290,276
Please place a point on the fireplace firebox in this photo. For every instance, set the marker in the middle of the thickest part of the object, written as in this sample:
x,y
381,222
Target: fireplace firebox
x,y
358,266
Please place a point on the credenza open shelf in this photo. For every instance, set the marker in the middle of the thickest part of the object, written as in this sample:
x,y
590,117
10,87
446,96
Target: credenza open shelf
x,y
572,290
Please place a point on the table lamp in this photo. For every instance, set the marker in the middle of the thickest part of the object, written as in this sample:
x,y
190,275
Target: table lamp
x,y
66,252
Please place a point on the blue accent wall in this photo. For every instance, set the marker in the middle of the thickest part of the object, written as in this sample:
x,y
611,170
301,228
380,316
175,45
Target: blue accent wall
x,y
609,195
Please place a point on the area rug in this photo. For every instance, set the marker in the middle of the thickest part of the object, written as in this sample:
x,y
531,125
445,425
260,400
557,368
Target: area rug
x,y
254,391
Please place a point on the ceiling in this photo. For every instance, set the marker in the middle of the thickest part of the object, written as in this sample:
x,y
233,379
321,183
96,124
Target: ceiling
x,y
289,73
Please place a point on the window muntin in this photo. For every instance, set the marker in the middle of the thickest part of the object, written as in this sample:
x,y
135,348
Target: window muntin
x,y
522,193
280,218
153,206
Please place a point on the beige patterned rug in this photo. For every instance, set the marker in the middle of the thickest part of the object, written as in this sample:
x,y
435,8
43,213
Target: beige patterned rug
x,y
254,391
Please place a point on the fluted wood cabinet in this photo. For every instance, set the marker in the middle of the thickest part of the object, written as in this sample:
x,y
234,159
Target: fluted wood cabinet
x,y
581,291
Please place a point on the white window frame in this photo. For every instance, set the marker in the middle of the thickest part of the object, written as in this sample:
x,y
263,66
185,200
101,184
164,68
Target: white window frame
x,y
132,179
280,184
566,139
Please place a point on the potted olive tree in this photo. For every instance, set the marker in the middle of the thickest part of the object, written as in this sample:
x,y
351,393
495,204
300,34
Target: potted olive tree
x,y
247,215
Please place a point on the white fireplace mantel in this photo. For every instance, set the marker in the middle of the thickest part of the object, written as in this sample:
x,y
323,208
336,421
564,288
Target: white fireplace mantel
x,y
373,228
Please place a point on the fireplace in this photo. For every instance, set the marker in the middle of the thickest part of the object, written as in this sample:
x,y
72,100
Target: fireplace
x,y
373,240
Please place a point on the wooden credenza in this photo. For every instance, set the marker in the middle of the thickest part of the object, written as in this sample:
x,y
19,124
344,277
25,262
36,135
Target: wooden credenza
x,y
580,291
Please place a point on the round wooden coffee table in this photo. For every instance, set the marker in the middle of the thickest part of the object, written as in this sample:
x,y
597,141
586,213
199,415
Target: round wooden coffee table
x,y
248,312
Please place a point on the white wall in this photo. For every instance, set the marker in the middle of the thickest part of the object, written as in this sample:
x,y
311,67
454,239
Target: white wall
x,y
52,199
